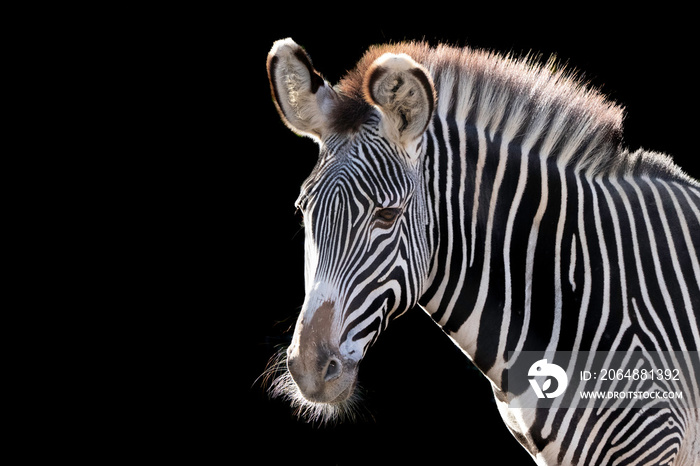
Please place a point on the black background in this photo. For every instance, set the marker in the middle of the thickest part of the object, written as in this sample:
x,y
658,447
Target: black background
x,y
423,398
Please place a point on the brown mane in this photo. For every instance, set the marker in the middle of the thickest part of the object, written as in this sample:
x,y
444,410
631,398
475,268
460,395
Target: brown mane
x,y
502,93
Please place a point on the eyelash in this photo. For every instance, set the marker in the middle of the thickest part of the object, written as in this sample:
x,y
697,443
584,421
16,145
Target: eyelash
x,y
387,215
300,213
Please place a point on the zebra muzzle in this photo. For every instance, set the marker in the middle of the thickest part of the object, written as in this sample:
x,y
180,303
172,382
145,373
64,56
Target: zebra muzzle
x,y
318,369
333,383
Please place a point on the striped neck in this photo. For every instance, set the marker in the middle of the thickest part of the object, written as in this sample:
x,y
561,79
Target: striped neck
x,y
516,232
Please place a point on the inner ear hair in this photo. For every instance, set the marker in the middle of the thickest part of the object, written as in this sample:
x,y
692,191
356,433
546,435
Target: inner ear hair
x,y
302,96
404,93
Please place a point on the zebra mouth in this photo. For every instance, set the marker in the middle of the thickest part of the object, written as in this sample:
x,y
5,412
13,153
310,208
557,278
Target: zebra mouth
x,y
345,394
342,407
336,392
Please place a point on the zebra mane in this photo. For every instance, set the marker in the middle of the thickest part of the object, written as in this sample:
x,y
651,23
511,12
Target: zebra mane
x,y
540,103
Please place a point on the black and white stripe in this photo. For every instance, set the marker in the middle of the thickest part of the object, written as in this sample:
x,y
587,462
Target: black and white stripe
x,y
518,221
372,271
541,245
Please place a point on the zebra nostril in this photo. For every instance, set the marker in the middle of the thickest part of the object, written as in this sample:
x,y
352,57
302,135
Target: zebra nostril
x,y
333,370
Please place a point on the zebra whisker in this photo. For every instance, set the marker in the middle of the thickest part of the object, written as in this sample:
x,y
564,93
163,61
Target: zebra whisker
x,y
281,385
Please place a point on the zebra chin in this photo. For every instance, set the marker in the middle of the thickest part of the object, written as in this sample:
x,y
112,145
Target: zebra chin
x,y
343,406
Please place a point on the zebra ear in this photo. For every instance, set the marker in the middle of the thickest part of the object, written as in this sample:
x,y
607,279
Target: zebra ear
x,y
303,98
404,93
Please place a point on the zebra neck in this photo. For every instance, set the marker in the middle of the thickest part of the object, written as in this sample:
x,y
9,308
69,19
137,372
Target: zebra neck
x,y
498,214
517,236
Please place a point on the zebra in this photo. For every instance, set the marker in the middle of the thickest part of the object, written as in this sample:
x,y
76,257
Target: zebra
x,y
495,193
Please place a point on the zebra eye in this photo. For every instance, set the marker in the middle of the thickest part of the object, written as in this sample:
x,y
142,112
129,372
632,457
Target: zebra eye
x,y
387,215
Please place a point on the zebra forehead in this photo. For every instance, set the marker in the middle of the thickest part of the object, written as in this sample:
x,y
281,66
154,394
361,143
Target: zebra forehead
x,y
370,173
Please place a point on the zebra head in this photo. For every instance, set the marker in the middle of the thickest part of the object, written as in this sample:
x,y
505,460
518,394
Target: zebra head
x,y
365,216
